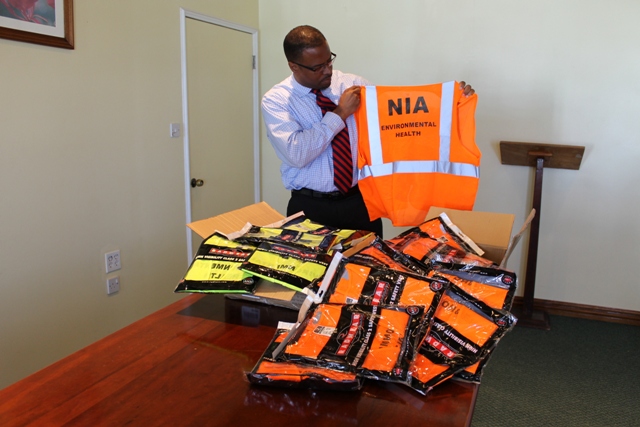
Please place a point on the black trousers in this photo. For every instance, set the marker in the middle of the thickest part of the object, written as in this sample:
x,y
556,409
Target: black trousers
x,y
340,211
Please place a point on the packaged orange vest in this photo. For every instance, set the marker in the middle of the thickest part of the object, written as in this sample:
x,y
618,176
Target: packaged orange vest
x,y
443,230
493,286
463,331
423,248
416,149
296,375
375,342
380,253
359,282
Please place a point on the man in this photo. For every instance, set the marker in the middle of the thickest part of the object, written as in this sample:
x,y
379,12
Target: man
x,y
307,129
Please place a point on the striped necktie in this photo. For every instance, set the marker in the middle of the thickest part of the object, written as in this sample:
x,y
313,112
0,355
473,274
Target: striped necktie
x,y
342,160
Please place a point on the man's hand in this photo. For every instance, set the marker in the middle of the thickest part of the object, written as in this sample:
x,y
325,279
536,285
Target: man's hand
x,y
348,103
467,90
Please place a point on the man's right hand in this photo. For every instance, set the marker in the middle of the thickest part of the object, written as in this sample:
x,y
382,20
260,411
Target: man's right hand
x,y
348,103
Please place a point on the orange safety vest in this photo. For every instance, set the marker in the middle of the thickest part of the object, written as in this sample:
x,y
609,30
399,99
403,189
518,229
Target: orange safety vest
x,y
416,149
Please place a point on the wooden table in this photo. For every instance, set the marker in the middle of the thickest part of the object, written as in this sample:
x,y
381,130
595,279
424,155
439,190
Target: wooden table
x,y
184,366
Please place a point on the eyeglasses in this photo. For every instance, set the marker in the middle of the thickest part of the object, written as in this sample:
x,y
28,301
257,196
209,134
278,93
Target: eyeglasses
x,y
320,67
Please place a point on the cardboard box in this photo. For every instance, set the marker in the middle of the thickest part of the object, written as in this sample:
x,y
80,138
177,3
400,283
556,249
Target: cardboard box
x,y
489,230
260,214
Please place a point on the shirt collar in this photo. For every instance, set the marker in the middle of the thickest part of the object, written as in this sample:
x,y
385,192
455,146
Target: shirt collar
x,y
299,89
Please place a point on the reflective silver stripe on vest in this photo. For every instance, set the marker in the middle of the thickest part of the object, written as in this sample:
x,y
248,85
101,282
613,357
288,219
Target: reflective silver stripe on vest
x,y
373,125
420,166
379,168
446,112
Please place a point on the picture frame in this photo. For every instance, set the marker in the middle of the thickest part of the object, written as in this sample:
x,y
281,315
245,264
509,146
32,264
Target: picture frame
x,y
44,22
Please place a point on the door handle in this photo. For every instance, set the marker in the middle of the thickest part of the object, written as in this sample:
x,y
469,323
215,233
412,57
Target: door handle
x,y
196,183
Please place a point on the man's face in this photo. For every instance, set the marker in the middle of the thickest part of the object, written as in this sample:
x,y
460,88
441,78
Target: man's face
x,y
319,58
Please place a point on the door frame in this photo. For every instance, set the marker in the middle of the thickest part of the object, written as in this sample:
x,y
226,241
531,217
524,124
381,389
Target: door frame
x,y
188,14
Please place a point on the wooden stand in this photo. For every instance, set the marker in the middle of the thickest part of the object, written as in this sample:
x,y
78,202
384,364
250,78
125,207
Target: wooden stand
x,y
538,156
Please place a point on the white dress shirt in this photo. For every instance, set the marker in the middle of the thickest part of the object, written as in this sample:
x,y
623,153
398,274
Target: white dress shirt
x,y
300,134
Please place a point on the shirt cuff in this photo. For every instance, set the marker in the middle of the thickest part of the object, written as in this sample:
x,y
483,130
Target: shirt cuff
x,y
333,121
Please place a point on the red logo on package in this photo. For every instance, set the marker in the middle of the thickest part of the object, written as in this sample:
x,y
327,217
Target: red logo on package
x,y
441,347
380,293
356,318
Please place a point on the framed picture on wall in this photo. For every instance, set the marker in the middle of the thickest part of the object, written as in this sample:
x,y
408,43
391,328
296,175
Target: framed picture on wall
x,y
47,22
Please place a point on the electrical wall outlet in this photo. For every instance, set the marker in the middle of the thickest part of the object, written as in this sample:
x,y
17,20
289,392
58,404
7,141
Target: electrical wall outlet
x,y
112,261
113,285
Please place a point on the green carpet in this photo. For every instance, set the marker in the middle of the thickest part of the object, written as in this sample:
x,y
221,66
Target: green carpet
x,y
580,373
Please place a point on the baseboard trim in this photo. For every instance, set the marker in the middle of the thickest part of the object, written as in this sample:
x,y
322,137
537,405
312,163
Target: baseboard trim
x,y
604,314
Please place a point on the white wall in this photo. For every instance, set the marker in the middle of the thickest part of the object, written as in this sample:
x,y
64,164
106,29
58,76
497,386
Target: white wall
x,y
559,72
87,166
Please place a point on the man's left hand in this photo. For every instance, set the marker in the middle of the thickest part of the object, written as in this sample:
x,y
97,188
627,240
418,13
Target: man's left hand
x,y
467,90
